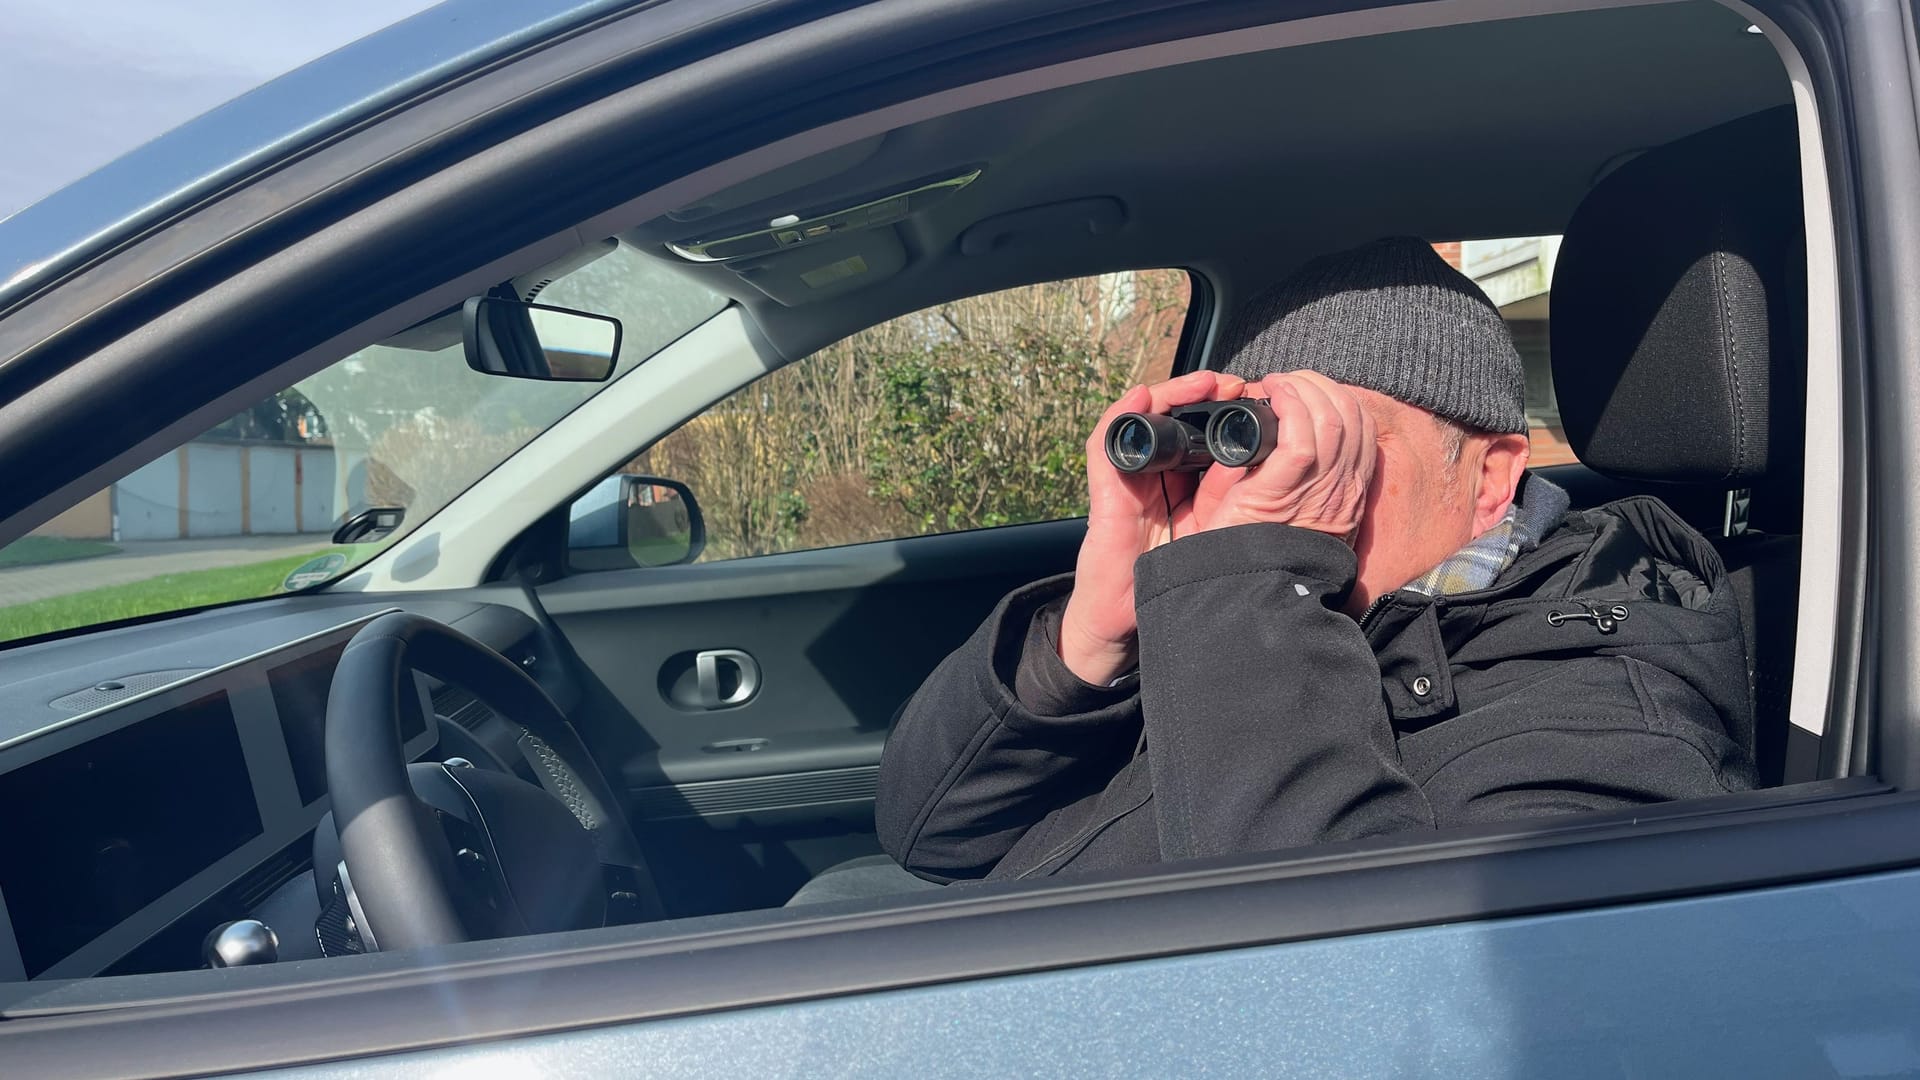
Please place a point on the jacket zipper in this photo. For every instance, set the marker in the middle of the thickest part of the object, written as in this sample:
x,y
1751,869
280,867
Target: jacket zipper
x,y
1372,609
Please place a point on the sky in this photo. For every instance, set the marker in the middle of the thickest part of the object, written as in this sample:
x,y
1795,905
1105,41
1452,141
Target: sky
x,y
85,81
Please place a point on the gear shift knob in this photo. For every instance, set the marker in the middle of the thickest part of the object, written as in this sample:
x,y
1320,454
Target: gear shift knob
x,y
241,943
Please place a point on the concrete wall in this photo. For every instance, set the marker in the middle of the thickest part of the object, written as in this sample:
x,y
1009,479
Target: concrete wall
x,y
90,520
229,489
216,493
147,503
323,500
290,489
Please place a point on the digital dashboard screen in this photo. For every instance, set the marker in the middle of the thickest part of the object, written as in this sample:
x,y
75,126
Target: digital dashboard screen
x,y
75,862
300,690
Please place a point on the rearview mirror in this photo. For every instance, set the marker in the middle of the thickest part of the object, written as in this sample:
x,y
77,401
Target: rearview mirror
x,y
534,341
624,522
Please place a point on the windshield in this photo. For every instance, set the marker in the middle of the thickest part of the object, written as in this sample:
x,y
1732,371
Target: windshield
x,y
107,76
249,508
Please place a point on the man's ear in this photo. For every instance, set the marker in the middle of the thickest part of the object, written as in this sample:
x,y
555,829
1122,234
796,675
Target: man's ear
x,y
1502,465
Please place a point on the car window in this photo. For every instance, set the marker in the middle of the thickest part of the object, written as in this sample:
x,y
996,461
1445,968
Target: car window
x,y
249,508
967,415
1516,273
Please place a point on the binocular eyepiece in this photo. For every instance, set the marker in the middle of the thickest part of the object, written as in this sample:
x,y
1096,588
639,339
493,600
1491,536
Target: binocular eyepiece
x,y
1235,433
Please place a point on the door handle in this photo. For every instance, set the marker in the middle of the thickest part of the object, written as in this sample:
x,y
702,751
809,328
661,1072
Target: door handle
x,y
727,678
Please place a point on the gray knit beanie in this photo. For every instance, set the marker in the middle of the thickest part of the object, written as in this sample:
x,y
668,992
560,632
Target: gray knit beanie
x,y
1390,316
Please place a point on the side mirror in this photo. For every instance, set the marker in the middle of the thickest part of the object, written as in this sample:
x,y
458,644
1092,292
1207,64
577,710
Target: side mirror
x,y
534,341
624,522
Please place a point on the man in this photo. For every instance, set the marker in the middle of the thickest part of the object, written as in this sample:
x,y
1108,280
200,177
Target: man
x,y
1386,626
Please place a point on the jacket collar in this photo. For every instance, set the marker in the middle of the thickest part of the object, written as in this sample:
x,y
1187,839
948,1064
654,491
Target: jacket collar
x,y
1635,552
1536,511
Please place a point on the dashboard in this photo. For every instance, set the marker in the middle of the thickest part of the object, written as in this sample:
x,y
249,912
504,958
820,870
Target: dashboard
x,y
157,778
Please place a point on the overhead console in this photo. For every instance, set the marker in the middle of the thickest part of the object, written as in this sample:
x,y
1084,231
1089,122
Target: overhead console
x,y
121,820
792,230
811,250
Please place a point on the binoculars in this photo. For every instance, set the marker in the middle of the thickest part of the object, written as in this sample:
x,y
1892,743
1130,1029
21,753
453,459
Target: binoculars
x,y
1235,433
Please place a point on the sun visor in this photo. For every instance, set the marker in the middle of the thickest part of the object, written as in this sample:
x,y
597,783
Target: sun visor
x,y
798,229
821,270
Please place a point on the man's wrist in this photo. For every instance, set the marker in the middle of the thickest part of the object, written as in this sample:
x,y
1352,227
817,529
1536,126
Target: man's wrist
x,y
1092,660
1343,533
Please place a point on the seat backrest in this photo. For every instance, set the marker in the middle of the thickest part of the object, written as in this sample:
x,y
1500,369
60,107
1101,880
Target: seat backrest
x,y
1679,358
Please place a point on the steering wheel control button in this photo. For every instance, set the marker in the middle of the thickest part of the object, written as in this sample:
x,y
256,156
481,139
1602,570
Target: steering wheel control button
x,y
241,943
362,934
457,763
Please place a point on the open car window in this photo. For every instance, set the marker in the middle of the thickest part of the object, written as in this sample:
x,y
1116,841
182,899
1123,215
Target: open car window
x,y
967,415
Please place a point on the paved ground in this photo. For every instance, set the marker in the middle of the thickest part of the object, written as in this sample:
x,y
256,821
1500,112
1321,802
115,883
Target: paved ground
x,y
139,560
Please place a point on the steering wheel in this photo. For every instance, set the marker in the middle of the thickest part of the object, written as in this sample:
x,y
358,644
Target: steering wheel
x,y
435,854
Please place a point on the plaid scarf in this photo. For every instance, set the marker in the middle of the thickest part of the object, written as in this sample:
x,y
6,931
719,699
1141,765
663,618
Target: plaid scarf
x,y
1484,558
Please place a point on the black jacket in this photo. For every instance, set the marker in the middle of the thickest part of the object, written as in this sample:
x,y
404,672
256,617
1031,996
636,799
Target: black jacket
x,y
1264,718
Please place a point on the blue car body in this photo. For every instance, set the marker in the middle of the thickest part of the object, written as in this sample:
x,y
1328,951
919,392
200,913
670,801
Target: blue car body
x,y
1808,978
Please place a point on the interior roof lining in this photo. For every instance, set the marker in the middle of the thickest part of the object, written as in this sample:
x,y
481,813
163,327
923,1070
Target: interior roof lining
x,y
1440,208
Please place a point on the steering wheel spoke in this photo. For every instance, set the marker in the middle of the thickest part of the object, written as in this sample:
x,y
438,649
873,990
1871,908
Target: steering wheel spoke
x,y
439,855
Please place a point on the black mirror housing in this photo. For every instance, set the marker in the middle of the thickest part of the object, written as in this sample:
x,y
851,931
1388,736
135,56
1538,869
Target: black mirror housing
x,y
627,522
519,340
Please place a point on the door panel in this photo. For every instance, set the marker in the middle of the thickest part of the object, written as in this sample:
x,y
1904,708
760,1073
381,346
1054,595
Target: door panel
x,y
742,802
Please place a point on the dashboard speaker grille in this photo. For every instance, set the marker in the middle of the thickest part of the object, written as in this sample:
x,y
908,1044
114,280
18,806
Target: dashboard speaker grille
x,y
113,691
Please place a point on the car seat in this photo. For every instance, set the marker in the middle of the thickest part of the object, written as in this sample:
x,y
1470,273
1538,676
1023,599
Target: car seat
x,y
1679,359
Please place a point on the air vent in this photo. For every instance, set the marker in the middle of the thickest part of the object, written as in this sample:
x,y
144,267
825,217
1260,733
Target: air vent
x,y
462,708
265,880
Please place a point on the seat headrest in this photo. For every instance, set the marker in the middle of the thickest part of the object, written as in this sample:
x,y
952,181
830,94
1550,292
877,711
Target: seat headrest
x,y
1679,300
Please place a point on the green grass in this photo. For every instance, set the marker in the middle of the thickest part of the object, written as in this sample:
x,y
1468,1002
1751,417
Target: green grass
x,y
36,550
169,592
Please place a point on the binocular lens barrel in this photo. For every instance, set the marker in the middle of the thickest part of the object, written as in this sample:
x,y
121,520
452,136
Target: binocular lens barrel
x,y
1149,443
1191,438
1237,435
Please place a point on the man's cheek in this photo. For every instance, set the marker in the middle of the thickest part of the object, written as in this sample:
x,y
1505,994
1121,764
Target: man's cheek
x,y
1375,512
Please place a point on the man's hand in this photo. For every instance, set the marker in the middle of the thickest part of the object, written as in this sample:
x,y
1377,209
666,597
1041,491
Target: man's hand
x,y
1127,516
1317,476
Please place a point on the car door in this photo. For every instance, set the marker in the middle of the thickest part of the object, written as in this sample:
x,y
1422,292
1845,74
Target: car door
x,y
864,508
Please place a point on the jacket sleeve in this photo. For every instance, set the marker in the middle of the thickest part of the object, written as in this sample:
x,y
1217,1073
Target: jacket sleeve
x,y
970,766
1265,725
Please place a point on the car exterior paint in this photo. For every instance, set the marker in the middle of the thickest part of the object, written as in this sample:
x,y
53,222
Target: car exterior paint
x,y
268,124
1819,979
